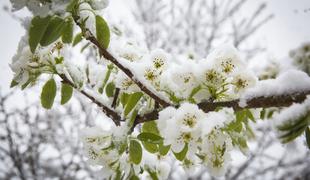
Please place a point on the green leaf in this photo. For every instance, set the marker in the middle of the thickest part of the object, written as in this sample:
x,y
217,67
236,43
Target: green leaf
x,y
152,148
132,118
132,102
150,127
182,154
292,135
78,38
292,124
48,94
67,33
150,138
194,92
152,174
106,78
124,98
293,130
66,93
103,32
163,150
13,83
59,60
250,115
242,142
53,31
240,115
85,46
71,6
109,90
307,134
36,31
135,152
134,177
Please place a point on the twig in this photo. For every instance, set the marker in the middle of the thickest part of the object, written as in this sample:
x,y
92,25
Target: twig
x,y
109,112
90,37
115,97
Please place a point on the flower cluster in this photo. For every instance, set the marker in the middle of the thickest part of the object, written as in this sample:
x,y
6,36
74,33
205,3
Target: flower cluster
x,y
28,66
221,76
194,137
201,133
109,150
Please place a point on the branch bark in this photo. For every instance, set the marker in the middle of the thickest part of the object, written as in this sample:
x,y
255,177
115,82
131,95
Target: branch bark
x,y
282,100
109,112
90,37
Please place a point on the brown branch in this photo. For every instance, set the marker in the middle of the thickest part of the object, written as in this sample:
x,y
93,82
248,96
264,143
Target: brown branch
x,y
283,100
90,37
117,90
109,112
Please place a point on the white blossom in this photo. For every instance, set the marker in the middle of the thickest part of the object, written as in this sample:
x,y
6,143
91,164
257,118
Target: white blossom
x,y
123,82
182,128
243,80
159,59
216,149
226,58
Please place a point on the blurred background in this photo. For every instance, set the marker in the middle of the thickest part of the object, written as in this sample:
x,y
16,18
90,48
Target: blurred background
x,y
272,35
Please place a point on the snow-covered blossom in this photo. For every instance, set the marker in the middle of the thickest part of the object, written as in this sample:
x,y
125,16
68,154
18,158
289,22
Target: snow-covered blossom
x,y
214,119
159,59
215,153
226,58
28,66
105,148
179,79
182,128
130,51
161,169
243,80
123,82
213,77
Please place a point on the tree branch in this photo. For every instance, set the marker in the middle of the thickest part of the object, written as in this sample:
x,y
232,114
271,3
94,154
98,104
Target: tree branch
x,y
109,112
90,37
282,100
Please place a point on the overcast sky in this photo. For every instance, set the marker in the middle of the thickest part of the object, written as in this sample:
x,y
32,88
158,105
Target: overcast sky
x,y
289,28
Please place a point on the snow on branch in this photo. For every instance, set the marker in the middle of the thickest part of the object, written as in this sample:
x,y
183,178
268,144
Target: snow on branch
x,y
290,87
